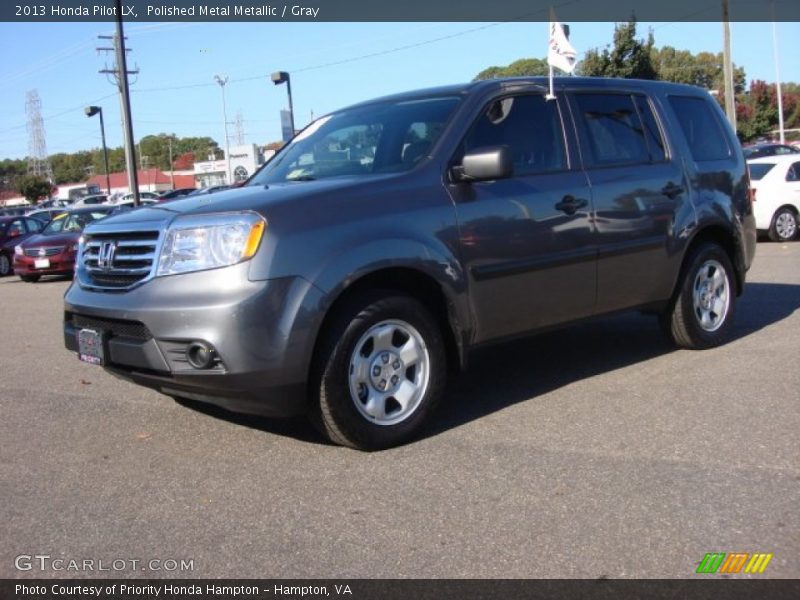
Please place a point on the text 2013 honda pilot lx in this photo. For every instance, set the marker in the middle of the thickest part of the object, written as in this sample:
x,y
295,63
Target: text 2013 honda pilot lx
x,y
390,238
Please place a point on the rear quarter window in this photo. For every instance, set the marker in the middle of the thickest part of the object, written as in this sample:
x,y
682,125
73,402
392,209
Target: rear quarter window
x,y
759,170
701,128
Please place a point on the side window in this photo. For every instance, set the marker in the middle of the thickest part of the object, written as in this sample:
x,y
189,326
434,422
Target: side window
x,y
793,174
529,125
16,228
652,134
612,129
701,127
418,140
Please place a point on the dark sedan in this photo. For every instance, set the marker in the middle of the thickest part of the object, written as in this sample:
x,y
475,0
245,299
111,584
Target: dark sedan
x,y
173,194
52,252
14,230
759,150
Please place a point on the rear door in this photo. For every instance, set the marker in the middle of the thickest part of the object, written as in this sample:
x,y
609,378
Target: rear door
x,y
638,191
526,241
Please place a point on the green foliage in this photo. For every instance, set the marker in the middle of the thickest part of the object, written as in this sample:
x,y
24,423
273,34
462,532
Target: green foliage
x,y
154,149
524,67
630,58
10,170
703,70
33,187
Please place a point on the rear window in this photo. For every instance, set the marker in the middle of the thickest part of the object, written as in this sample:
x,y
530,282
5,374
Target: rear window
x,y
701,127
758,170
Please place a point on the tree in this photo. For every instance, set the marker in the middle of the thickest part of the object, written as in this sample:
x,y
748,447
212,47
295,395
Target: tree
x,y
703,70
10,169
630,57
33,187
524,67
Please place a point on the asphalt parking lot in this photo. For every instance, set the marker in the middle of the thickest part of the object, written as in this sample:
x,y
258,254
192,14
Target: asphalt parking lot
x,y
598,451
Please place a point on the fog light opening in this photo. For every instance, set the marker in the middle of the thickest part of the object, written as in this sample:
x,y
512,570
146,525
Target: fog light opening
x,y
201,355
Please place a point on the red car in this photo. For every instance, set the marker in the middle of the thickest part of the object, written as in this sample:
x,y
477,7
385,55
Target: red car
x,y
13,231
53,251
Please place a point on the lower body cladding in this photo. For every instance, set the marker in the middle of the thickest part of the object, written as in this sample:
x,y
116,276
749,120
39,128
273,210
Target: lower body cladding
x,y
211,336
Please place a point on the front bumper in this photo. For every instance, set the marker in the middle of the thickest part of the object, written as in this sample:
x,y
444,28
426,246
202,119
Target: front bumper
x,y
59,264
262,333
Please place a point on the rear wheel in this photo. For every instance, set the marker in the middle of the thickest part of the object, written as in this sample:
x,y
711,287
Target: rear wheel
x,y
379,373
701,314
5,265
30,278
784,225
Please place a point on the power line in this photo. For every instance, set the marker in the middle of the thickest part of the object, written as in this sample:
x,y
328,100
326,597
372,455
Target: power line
x,y
60,114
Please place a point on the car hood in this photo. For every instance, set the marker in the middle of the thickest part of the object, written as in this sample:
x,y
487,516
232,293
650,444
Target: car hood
x,y
258,198
56,239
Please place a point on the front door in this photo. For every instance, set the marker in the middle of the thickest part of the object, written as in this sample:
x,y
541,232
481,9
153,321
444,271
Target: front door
x,y
526,241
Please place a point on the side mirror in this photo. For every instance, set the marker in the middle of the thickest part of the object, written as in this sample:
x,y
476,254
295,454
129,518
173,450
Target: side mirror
x,y
485,164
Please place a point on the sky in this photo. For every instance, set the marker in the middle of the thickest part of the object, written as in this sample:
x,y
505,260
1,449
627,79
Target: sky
x,y
332,65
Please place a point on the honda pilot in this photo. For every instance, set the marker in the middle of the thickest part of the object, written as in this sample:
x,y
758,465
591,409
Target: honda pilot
x,y
388,240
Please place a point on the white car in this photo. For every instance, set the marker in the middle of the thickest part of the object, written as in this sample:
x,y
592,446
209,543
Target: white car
x,y
142,196
776,183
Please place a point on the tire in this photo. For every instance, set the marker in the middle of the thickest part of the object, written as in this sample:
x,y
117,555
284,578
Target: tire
x,y
784,225
5,265
30,278
701,312
360,367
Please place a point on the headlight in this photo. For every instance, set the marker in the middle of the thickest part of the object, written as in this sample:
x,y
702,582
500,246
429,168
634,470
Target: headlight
x,y
196,243
18,250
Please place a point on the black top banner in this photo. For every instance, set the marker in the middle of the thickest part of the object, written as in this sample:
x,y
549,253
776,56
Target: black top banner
x,y
405,10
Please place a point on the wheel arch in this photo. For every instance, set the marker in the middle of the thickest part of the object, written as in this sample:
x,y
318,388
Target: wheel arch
x,y
412,282
722,236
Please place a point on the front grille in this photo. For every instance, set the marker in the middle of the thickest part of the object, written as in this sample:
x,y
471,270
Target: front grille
x,y
114,327
37,252
118,260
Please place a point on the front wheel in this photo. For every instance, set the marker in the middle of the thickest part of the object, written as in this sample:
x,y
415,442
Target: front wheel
x,y
5,265
701,313
380,372
784,226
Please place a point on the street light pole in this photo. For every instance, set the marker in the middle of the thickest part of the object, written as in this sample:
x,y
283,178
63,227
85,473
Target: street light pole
x,y
90,112
278,78
781,133
222,80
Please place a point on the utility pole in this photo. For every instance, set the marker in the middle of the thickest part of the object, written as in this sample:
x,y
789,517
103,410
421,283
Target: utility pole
x,y
171,165
239,132
222,80
120,73
727,66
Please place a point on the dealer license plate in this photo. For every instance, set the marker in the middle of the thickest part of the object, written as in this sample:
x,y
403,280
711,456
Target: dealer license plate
x,y
90,346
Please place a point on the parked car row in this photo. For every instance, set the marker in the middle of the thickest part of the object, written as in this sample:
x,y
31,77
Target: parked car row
x,y
32,248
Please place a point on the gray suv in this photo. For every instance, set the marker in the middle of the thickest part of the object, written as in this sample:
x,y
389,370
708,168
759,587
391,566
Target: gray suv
x,y
387,240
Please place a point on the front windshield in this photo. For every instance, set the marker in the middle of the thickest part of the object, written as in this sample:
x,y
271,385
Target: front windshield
x,y
386,137
73,221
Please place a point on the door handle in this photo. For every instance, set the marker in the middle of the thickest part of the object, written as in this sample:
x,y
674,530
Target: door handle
x,y
570,204
671,190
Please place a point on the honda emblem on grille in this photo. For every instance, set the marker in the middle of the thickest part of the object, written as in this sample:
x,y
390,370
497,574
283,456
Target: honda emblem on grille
x,y
105,258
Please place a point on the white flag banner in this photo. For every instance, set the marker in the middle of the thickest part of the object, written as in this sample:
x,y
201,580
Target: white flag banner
x,y
560,54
